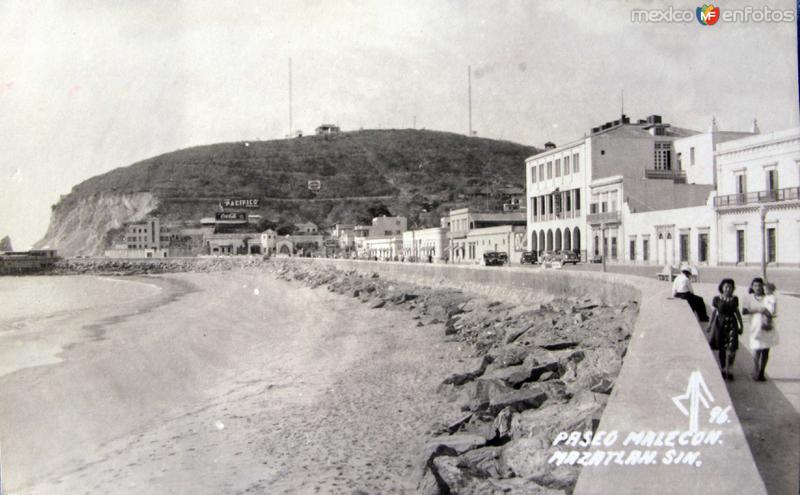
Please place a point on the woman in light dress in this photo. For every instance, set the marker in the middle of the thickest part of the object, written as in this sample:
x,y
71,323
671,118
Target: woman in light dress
x,y
762,305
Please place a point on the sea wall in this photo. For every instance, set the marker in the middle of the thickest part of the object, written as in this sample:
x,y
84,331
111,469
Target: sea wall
x,y
669,425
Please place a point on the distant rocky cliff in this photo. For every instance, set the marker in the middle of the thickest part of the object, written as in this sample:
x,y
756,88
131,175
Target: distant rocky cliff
x,y
80,227
415,173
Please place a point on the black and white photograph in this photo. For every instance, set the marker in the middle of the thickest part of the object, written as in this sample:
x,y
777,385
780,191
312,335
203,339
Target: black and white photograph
x,y
524,247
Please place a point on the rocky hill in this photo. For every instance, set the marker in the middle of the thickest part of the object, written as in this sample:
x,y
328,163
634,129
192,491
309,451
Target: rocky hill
x,y
417,173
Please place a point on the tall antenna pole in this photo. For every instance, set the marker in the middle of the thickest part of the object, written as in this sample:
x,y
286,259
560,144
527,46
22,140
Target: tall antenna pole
x,y
469,96
622,102
291,126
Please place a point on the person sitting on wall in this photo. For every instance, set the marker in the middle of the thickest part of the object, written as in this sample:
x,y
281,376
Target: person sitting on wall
x,y
682,289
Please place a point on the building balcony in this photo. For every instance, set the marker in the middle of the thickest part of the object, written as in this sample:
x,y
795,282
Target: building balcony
x,y
564,215
760,197
676,175
608,217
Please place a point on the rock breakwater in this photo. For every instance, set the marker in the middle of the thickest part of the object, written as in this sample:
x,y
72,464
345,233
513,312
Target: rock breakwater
x,y
529,373
111,266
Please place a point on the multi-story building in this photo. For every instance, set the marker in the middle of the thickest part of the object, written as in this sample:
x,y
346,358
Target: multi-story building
x,y
461,221
599,195
143,235
387,226
425,245
758,199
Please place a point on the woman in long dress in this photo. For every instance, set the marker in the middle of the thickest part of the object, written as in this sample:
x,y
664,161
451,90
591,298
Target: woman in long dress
x,y
762,305
726,326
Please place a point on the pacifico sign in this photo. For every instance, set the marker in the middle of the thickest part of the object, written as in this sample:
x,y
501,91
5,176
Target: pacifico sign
x,y
240,203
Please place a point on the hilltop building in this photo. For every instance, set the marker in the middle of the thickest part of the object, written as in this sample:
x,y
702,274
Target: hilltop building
x,y
325,129
306,228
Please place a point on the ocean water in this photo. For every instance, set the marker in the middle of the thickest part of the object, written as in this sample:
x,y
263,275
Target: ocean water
x,y
37,297
41,316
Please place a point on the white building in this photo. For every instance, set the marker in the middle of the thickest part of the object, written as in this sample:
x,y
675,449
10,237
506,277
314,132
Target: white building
x,y
385,248
306,228
425,244
509,239
759,174
386,226
269,240
618,191
460,222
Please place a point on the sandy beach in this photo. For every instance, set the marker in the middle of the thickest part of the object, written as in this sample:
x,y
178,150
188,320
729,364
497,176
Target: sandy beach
x,y
229,382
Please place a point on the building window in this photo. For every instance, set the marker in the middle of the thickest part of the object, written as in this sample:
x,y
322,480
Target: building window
x,y
576,163
771,245
613,247
602,152
566,165
702,247
691,156
558,167
646,249
549,170
632,250
533,174
593,208
577,198
741,186
740,246
679,161
684,245
541,171
663,156
772,180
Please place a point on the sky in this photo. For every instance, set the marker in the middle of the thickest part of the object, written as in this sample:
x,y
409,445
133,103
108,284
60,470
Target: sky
x,y
86,87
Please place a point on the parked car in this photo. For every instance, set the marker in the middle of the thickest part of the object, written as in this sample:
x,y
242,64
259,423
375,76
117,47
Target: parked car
x,y
570,257
495,258
547,257
529,258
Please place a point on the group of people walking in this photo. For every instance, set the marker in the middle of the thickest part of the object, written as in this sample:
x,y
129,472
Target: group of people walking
x,y
725,324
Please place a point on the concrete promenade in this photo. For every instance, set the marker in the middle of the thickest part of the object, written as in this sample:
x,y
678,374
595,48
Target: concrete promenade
x,y
769,411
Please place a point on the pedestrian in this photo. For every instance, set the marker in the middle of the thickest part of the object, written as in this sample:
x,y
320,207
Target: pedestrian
x,y
725,326
682,289
762,306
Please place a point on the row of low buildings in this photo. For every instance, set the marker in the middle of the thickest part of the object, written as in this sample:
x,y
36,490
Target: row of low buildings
x,y
647,192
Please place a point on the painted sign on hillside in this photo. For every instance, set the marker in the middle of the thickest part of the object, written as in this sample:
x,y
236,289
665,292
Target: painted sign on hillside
x,y
240,203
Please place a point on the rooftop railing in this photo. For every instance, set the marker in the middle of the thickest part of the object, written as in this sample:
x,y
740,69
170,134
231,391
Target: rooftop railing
x,y
664,174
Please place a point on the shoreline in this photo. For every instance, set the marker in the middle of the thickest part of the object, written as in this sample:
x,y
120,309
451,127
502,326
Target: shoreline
x,y
403,389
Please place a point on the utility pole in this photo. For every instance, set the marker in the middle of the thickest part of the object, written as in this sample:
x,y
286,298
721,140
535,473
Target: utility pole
x,y
603,240
469,97
762,213
291,126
